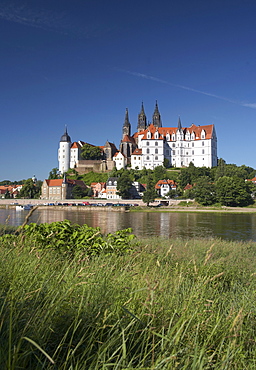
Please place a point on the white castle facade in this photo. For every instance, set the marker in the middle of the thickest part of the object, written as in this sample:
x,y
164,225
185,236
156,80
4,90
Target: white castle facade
x,y
150,146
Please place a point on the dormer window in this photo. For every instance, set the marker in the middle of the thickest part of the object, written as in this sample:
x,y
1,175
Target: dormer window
x,y
168,137
173,137
203,134
156,135
148,135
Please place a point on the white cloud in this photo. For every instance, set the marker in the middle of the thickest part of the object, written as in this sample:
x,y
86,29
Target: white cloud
x,y
142,75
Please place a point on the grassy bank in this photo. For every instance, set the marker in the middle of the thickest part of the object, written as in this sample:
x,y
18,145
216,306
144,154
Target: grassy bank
x,y
169,304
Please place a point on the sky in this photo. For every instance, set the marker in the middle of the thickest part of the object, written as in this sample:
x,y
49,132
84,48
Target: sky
x,y
80,63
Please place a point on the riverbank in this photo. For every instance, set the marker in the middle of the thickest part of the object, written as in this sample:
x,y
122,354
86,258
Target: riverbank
x,y
170,304
141,207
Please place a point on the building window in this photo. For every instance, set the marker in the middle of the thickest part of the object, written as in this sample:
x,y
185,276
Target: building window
x,y
156,151
135,158
173,152
147,143
147,151
192,152
202,151
156,143
173,145
193,145
156,158
147,158
202,143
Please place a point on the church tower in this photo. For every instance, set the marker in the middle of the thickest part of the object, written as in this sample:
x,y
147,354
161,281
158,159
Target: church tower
x,y
64,152
126,125
142,120
156,117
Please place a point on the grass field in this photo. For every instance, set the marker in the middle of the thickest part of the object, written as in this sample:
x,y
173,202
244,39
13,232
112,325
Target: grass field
x,y
169,304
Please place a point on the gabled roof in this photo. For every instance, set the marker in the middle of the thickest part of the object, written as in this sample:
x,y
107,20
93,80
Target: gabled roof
x,y
127,139
163,131
59,182
137,151
171,183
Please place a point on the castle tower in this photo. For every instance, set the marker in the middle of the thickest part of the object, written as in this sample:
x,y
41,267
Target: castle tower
x,y
142,120
156,117
64,152
126,125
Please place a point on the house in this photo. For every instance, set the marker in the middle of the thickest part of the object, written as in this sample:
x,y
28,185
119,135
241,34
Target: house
x,y
163,187
60,189
111,188
98,188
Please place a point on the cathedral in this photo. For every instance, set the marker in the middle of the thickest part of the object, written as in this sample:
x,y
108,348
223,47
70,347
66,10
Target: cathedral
x,y
150,146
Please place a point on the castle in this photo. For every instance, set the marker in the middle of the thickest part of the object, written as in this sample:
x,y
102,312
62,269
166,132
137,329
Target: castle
x,y
150,146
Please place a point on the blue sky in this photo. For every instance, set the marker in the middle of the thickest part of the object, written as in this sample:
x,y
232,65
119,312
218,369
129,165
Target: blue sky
x,y
81,63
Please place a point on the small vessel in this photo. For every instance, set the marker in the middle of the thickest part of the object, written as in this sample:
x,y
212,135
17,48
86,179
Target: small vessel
x,y
25,207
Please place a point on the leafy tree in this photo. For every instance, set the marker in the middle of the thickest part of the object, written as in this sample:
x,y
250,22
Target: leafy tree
x,y
233,191
91,152
54,174
166,163
79,192
159,173
124,184
150,194
204,191
30,190
7,195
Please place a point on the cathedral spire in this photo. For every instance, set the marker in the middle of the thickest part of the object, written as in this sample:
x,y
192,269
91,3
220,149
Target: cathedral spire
x,y
126,125
179,124
142,119
157,117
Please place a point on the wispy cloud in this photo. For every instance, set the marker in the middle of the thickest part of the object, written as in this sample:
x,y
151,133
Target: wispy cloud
x,y
48,20
148,77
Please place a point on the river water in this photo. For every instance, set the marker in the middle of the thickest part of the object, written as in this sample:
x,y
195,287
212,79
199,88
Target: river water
x,y
145,224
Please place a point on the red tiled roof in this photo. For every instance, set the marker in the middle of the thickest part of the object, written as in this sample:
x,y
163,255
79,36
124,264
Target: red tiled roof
x,y
164,182
163,131
137,151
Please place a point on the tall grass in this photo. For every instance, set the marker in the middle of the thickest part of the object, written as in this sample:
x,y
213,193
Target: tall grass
x,y
172,304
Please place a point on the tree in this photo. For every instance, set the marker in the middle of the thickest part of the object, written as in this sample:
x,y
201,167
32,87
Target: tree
x,y
30,190
7,194
78,192
150,194
204,191
159,173
91,152
54,174
233,192
124,184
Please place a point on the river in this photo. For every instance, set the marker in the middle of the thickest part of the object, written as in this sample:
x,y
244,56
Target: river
x,y
229,226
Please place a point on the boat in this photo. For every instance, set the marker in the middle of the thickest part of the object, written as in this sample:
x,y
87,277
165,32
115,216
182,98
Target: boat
x,y
25,207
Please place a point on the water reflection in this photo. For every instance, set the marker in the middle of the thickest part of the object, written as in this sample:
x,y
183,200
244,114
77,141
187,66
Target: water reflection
x,y
163,224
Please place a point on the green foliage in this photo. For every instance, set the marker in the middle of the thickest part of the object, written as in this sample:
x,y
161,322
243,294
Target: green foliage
x,y
190,174
90,177
171,305
233,192
124,184
150,194
54,174
78,192
91,152
204,191
7,194
30,190
72,239
231,170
